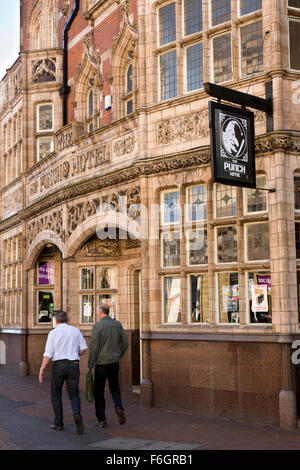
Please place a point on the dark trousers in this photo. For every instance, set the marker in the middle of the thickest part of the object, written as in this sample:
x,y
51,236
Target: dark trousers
x,y
111,373
62,371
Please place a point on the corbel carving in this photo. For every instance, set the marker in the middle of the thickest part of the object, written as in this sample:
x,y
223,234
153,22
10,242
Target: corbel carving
x,y
94,58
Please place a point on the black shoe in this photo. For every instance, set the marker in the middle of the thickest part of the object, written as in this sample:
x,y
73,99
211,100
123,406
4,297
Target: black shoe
x,y
121,415
79,424
55,427
101,424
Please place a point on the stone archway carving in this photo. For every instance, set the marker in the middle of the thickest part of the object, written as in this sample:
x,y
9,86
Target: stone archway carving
x,y
41,240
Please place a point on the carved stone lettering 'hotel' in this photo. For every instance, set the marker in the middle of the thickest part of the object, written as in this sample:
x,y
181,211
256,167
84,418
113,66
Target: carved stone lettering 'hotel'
x,y
107,195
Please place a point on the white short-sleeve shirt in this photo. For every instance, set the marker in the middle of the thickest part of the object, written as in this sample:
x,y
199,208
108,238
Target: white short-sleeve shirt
x,y
64,342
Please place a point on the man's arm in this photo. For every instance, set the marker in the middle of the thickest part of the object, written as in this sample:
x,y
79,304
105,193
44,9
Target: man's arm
x,y
82,344
48,354
45,362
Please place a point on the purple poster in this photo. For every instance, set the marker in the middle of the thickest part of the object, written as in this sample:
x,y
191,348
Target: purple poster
x,y
264,280
46,273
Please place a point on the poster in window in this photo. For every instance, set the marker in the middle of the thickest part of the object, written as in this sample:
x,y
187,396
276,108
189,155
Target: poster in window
x,y
87,309
259,298
46,273
264,280
174,301
232,145
230,296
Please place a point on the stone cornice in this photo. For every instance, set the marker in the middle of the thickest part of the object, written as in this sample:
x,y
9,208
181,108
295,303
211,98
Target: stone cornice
x,y
139,168
268,143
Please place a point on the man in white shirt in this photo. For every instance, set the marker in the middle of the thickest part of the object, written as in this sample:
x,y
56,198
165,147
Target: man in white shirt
x,y
65,344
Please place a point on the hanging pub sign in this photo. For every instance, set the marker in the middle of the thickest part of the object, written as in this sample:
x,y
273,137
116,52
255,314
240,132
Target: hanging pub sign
x,y
232,145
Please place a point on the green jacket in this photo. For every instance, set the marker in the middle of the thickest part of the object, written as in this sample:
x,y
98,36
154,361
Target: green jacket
x,y
108,342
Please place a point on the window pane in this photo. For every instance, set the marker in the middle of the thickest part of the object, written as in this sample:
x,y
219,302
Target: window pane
x,y
172,300
197,203
168,75
45,306
192,16
297,192
260,305
167,24
45,121
258,241
227,244
105,278
297,230
295,45
256,199
129,78
220,11
294,3
87,278
87,309
251,48
129,107
171,209
44,147
194,66
110,300
91,104
225,201
199,299
228,297
222,58
247,6
171,249
197,246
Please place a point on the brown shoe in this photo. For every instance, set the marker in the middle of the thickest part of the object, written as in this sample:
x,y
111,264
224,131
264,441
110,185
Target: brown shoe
x,y
121,416
57,428
79,424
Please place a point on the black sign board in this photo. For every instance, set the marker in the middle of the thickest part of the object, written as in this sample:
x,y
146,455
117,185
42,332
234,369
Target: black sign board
x,y
232,145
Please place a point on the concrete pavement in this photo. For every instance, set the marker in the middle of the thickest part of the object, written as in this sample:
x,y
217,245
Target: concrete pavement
x,y
26,415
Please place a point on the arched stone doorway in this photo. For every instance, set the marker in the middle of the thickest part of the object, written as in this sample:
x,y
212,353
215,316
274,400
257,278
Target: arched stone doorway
x,y
108,271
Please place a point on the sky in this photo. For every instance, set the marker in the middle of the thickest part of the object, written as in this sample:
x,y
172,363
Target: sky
x,y
9,34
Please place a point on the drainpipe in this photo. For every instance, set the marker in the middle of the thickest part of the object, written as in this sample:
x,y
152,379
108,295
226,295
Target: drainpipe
x,y
65,89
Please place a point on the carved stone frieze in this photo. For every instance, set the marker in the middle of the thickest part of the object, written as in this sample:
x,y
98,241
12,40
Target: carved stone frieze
x,y
279,143
183,128
52,221
12,202
125,145
124,201
97,247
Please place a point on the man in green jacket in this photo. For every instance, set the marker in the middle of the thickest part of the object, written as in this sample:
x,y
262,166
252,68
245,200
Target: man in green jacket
x,y
107,345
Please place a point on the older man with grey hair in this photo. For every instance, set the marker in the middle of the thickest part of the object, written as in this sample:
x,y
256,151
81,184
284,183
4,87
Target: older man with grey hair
x,y
65,344
108,344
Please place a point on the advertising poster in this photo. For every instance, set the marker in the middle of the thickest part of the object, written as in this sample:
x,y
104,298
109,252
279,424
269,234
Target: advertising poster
x,y
46,273
259,298
230,297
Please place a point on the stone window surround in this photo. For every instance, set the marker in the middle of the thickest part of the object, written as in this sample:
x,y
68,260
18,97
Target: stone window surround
x,y
95,291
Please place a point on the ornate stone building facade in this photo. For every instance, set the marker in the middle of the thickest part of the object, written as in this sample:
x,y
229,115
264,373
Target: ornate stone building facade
x,y
107,195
